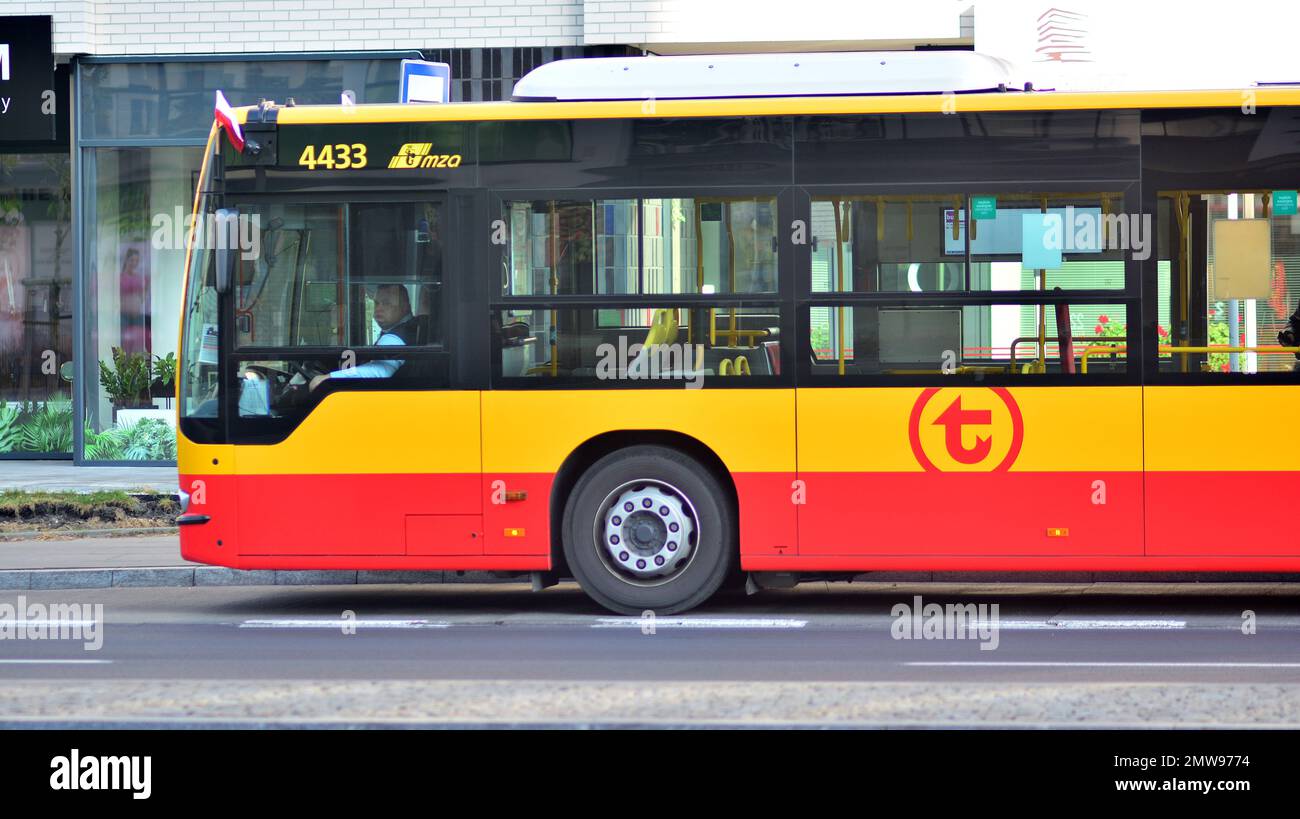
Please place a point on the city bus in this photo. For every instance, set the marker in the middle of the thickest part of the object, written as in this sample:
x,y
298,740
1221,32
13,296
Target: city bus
x,y
664,324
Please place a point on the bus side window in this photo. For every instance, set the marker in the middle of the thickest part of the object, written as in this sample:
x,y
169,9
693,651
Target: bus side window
x,y
1228,304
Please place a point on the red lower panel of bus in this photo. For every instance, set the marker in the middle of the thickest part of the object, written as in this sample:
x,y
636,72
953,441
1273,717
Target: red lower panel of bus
x,y
851,522
498,521
1231,514
969,513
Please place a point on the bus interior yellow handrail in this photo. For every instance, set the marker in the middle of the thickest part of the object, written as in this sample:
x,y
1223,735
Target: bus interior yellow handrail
x,y
1123,348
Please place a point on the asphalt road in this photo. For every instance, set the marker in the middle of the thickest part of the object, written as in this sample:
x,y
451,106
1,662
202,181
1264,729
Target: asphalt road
x,y
1153,655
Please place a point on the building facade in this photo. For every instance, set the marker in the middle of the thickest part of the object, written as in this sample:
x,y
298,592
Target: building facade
x,y
97,174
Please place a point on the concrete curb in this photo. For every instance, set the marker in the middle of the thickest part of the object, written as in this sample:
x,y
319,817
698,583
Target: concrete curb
x,y
183,576
55,535
598,723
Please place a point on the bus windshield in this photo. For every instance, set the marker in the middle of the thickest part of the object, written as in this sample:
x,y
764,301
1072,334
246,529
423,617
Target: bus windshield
x,y
199,364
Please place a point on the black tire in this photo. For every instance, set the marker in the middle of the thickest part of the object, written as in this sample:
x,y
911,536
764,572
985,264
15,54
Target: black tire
x,y
591,506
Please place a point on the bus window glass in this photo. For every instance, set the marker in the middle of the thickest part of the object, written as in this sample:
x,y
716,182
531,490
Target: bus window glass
x,y
1006,339
918,243
622,347
641,246
198,378
289,292
1228,282
316,271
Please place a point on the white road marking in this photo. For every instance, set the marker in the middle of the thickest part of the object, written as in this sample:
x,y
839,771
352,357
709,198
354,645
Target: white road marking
x,y
54,662
697,622
341,624
1086,625
65,624
1046,664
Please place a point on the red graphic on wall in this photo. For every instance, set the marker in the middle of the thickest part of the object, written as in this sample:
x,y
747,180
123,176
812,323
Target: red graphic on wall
x,y
1062,37
956,419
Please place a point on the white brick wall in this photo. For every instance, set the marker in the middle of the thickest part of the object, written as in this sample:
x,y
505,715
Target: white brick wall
x,y
115,27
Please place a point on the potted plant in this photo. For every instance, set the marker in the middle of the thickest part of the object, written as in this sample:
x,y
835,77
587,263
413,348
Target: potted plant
x,y
126,381
164,377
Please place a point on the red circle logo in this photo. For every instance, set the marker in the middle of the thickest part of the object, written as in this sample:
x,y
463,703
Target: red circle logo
x,y
971,429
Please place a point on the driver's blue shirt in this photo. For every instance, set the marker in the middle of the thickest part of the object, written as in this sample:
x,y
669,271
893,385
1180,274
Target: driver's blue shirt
x,y
384,368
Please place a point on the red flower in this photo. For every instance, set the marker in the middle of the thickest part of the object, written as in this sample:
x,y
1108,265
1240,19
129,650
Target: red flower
x,y
1162,332
1224,368
1097,329
1103,318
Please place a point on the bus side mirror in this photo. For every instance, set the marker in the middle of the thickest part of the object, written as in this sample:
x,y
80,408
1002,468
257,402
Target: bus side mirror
x,y
226,244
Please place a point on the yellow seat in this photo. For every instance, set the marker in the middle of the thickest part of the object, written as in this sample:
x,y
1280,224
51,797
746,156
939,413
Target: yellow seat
x,y
734,366
663,328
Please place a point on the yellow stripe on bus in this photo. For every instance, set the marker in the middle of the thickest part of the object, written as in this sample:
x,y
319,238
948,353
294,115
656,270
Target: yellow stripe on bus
x,y
1193,428
1222,428
778,106
203,459
1065,429
376,433
534,431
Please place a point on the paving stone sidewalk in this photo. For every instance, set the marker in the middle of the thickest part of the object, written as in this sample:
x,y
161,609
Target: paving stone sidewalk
x,y
62,476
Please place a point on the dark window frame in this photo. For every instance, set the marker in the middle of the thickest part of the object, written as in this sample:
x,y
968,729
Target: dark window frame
x,y
258,430
782,299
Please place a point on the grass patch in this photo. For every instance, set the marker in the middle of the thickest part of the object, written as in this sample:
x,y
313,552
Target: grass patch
x,y
15,498
57,510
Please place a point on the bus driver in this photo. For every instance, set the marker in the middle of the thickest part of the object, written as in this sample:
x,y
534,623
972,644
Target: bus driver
x,y
399,326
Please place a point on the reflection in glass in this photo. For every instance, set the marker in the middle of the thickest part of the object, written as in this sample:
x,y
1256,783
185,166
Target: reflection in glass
x,y
35,304
646,246
918,243
1229,294
1019,339
135,251
623,345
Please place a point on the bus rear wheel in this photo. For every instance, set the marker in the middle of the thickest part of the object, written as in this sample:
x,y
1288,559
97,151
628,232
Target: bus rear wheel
x,y
649,528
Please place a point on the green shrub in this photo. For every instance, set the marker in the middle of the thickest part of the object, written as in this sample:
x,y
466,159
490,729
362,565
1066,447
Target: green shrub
x,y
10,432
127,381
49,428
148,439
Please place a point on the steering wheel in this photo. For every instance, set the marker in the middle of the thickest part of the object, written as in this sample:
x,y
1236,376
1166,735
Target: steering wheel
x,y
306,370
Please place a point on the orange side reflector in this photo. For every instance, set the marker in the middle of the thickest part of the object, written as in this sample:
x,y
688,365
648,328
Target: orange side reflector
x,y
1058,532
514,532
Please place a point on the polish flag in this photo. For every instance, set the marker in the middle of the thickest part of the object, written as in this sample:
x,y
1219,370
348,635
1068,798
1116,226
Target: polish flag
x,y
226,116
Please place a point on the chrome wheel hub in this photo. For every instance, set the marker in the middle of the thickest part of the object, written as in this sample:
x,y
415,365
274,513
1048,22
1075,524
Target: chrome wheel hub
x,y
647,530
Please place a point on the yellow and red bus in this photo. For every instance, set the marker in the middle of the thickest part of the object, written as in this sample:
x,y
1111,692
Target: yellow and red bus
x,y
652,342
